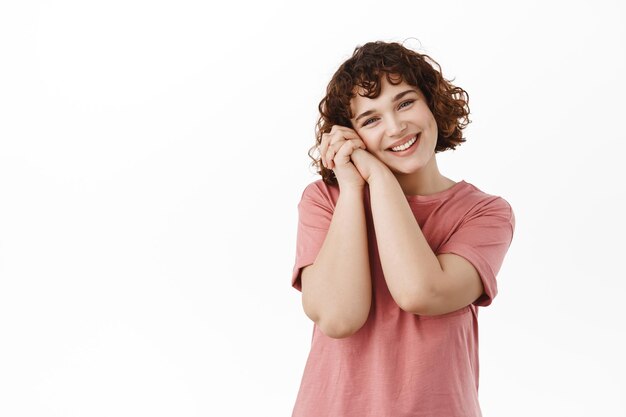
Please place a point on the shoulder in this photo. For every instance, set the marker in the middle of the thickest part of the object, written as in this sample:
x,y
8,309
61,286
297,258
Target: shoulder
x,y
321,193
487,204
481,203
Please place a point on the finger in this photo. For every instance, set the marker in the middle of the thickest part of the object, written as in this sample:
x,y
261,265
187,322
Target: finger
x,y
336,143
322,147
336,140
330,154
346,147
342,129
357,143
331,142
360,143
343,132
335,135
327,140
342,155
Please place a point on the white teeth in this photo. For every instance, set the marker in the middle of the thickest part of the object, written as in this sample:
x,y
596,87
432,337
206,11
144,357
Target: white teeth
x,y
405,146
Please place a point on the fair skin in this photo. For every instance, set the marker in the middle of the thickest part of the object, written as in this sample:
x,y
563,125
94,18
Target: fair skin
x,y
420,281
336,288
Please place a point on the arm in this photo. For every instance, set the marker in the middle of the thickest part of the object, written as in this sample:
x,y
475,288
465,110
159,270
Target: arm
x,y
419,281
336,289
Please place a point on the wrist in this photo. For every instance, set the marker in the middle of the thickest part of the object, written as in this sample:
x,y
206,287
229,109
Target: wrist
x,y
380,174
352,190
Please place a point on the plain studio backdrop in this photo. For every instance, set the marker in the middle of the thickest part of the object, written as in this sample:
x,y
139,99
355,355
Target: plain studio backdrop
x,y
153,154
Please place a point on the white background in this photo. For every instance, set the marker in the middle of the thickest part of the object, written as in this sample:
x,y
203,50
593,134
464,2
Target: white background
x,y
152,155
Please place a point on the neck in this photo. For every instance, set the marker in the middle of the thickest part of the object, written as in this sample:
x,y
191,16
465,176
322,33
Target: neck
x,y
428,180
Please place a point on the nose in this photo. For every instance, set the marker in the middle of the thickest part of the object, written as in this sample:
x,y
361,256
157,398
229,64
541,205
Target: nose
x,y
395,126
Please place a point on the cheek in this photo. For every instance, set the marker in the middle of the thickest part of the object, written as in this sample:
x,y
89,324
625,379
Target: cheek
x,y
371,140
432,122
371,145
424,114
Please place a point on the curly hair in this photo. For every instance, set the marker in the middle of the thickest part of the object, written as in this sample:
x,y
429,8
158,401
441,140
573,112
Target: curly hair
x,y
447,103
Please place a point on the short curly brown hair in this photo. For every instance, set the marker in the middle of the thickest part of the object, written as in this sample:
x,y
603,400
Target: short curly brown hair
x,y
448,104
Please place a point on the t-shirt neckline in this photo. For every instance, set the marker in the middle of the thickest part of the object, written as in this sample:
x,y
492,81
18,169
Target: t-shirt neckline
x,y
437,196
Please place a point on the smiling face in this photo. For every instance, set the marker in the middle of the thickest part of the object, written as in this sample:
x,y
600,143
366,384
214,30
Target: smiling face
x,y
390,123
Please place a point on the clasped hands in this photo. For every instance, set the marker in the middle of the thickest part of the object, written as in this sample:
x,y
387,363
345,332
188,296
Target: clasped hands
x,y
343,151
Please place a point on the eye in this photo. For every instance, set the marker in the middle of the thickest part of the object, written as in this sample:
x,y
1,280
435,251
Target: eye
x,y
368,121
405,103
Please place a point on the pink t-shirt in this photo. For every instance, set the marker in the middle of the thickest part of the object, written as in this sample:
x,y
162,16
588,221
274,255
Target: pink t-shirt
x,y
399,363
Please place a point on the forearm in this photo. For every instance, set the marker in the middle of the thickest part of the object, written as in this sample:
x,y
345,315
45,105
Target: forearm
x,y
409,264
336,289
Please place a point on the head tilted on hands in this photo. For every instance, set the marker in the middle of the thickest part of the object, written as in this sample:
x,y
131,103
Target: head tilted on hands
x,y
363,73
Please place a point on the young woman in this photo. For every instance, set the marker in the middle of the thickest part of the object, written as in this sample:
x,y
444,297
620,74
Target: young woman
x,y
393,258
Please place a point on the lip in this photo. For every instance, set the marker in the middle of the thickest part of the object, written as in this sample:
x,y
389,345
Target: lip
x,y
403,140
408,150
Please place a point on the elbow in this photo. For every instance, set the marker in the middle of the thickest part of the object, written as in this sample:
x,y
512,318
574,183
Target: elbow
x,y
339,330
414,303
336,328
414,308
338,324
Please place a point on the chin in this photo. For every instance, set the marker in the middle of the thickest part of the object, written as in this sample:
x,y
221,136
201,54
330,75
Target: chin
x,y
407,170
403,172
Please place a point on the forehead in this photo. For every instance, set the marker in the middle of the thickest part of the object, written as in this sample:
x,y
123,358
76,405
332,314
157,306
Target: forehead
x,y
387,91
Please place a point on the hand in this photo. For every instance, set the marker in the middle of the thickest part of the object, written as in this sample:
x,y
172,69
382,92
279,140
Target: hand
x,y
368,165
336,148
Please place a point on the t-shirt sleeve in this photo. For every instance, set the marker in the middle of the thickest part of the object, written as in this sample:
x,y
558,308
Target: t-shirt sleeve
x,y
484,239
315,212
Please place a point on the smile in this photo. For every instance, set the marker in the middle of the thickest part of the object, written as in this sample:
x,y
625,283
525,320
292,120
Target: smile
x,y
405,145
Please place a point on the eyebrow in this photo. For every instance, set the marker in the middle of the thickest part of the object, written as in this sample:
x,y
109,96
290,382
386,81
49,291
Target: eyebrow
x,y
396,98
